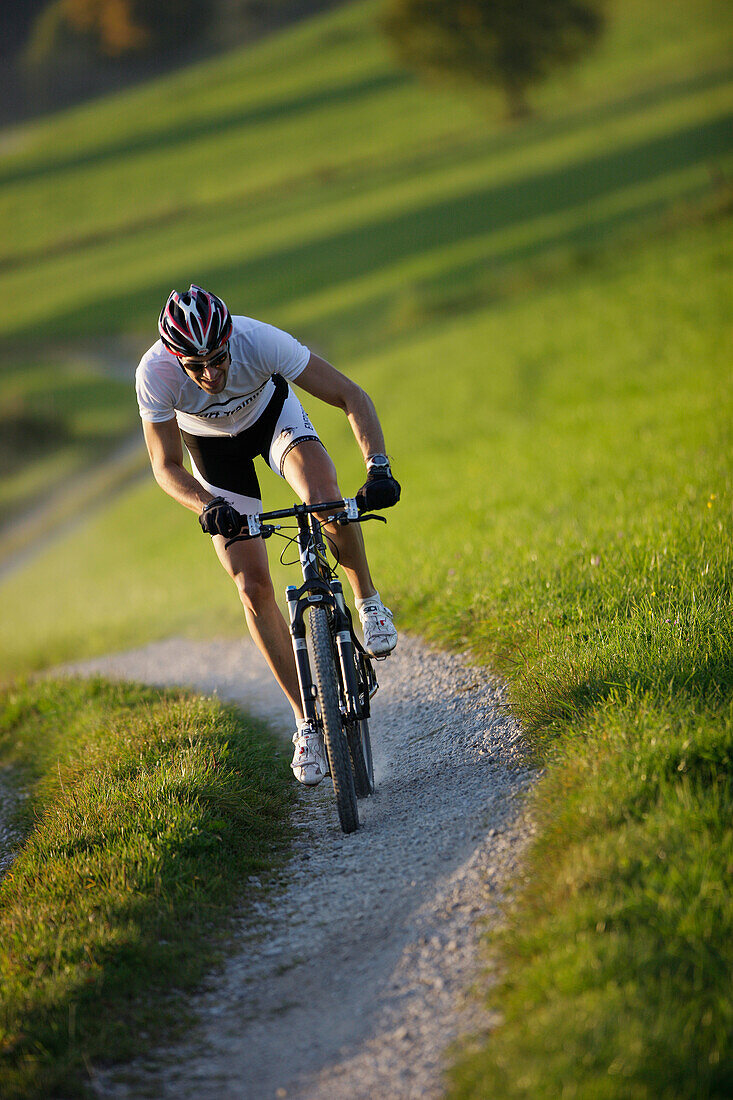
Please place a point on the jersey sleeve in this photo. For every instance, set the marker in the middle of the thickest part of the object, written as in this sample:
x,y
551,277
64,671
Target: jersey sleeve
x,y
155,400
278,352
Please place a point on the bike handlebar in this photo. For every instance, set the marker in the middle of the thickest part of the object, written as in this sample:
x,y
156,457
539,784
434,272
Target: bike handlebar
x,y
257,526
348,504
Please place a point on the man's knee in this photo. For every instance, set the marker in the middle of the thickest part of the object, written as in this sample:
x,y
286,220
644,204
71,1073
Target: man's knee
x,y
323,491
312,473
255,590
322,485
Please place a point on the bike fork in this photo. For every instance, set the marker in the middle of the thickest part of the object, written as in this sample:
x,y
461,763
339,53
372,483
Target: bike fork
x,y
345,647
300,649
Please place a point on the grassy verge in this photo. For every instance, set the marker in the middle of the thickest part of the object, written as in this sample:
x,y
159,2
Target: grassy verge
x,y
148,811
618,956
565,515
555,389
611,617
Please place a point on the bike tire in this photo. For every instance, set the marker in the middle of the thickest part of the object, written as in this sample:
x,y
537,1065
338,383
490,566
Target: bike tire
x,y
337,746
360,747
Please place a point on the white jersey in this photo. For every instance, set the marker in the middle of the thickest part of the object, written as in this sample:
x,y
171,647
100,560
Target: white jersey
x,y
258,351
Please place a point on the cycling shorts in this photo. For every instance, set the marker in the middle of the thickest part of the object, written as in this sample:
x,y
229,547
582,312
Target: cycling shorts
x,y
225,464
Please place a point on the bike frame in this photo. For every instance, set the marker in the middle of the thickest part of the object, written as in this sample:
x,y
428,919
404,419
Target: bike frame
x,y
319,589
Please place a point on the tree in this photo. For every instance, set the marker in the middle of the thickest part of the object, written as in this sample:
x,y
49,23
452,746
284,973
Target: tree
x,y
116,29
112,23
512,43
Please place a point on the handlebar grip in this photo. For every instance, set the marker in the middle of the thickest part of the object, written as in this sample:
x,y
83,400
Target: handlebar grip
x,y
264,532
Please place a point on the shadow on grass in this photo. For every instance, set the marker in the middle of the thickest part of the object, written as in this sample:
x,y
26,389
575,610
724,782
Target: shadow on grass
x,y
125,992
183,132
136,920
280,276
556,704
458,289
468,151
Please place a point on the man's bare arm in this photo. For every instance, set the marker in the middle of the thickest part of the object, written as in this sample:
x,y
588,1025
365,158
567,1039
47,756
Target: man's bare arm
x,y
163,441
328,384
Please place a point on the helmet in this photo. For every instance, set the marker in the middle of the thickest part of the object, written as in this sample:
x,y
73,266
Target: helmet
x,y
194,322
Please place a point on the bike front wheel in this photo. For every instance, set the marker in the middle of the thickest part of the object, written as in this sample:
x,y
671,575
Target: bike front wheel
x,y
337,746
360,747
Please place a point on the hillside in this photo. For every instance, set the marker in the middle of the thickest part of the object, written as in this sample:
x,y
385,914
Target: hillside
x,y
310,178
311,181
542,314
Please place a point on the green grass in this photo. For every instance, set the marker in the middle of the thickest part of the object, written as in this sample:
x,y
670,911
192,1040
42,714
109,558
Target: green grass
x,y
618,957
56,419
311,179
148,811
565,457
586,419
542,316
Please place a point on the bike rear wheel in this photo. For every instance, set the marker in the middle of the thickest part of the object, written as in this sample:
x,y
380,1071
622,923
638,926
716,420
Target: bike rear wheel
x,y
337,746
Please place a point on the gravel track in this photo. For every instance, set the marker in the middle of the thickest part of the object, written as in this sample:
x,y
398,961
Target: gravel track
x,y
350,977
11,835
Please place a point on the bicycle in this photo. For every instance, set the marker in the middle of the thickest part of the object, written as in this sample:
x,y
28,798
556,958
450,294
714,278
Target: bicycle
x,y
337,690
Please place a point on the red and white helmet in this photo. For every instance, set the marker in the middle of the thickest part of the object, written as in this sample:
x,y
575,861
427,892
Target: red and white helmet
x,y
194,322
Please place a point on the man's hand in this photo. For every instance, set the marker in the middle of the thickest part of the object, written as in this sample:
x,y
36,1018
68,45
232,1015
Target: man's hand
x,y
380,490
220,518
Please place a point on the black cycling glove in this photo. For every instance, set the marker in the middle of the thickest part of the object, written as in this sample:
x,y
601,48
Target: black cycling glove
x,y
220,518
380,490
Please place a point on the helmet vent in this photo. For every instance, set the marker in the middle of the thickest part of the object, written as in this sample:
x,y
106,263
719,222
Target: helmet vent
x,y
194,322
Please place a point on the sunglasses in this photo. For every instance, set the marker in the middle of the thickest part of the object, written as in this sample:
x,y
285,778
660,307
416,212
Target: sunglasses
x,y
198,366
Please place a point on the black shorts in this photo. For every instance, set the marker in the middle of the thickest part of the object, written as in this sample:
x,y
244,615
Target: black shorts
x,y
225,464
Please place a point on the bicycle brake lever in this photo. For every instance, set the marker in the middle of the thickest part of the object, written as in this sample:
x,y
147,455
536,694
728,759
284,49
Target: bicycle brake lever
x,y
371,515
238,538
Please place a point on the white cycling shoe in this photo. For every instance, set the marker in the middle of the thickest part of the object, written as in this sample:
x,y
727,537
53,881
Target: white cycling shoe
x,y
310,762
380,636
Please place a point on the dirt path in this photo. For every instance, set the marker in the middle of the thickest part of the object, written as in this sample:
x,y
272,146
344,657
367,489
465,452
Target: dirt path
x,y
22,539
28,533
349,979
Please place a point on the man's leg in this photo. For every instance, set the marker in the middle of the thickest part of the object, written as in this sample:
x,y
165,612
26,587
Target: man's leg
x,y
308,469
246,564
311,473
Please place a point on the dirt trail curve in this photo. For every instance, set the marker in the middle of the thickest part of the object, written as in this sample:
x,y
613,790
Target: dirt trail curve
x,y
350,978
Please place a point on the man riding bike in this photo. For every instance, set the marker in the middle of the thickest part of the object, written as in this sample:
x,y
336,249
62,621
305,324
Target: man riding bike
x,y
221,385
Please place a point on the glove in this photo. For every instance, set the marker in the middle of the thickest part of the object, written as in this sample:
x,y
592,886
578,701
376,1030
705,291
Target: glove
x,y
380,490
220,518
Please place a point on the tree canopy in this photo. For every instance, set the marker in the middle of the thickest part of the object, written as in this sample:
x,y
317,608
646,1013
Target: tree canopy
x,y
510,43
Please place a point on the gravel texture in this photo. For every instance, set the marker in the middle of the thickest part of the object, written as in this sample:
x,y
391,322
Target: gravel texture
x,y
351,976
11,835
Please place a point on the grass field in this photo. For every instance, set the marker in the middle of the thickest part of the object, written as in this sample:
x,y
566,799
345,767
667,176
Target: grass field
x,y
310,178
56,419
312,181
542,316
574,533
149,812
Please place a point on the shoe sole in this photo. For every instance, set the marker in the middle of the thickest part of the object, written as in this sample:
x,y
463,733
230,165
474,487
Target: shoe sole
x,y
311,783
381,652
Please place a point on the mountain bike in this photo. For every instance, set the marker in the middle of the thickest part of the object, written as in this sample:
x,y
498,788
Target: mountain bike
x,y
336,676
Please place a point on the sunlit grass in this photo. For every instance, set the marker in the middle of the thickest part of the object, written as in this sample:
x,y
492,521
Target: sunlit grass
x,y
565,460
542,316
312,180
147,812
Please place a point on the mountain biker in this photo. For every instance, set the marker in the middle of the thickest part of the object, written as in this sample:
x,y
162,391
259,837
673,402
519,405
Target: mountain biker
x,y
221,384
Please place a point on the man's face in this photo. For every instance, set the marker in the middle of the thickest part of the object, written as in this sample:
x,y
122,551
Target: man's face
x,y
208,372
